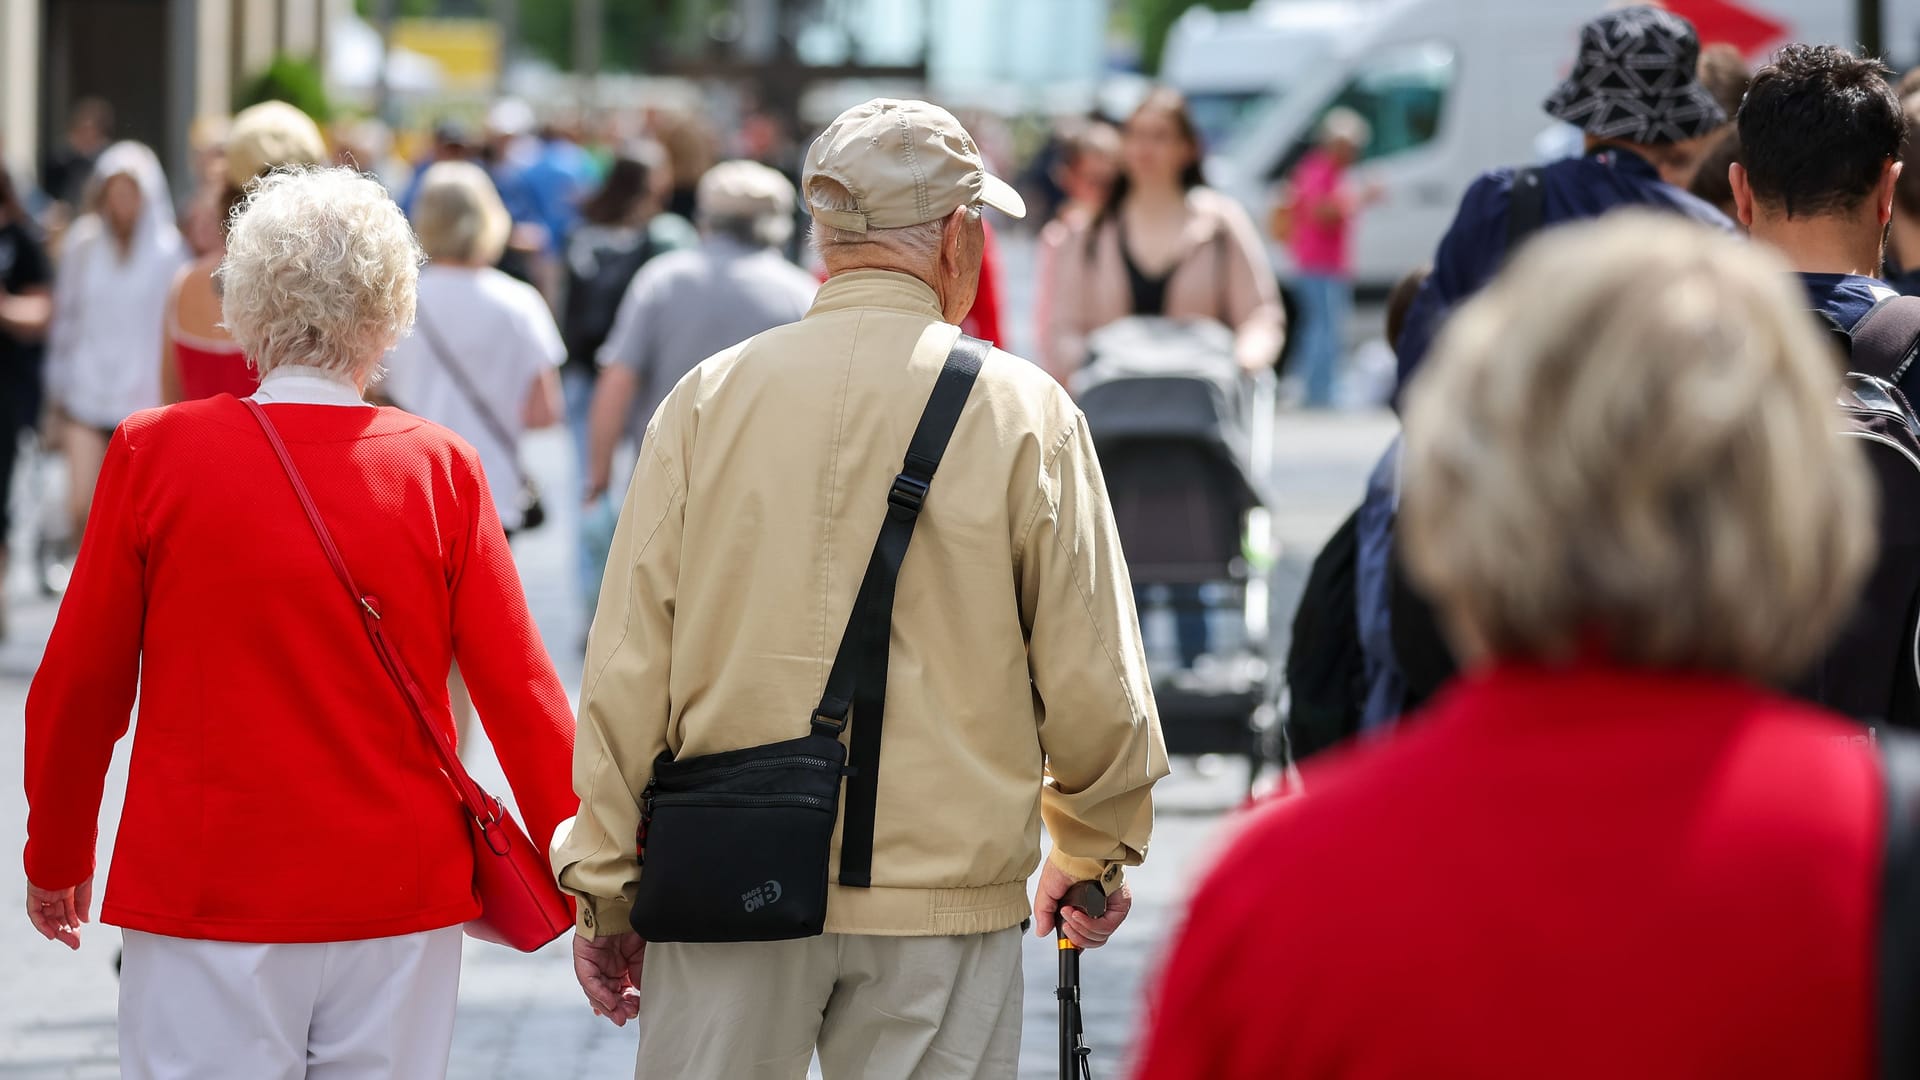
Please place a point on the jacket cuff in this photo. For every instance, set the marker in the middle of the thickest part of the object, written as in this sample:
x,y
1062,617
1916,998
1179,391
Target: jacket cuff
x,y
1110,875
598,916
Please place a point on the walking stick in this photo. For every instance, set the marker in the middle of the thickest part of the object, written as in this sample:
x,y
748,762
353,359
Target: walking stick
x,y
1074,1051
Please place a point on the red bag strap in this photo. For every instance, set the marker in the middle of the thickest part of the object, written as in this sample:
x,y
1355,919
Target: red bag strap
x,y
484,809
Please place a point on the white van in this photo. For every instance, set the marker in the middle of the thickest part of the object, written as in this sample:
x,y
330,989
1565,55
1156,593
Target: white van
x,y
1231,64
1454,87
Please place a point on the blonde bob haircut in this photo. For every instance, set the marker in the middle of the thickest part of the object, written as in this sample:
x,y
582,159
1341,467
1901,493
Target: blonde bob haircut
x,y
459,216
1626,445
320,270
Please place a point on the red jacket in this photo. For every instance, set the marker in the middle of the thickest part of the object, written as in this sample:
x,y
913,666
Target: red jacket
x,y
1591,873
279,790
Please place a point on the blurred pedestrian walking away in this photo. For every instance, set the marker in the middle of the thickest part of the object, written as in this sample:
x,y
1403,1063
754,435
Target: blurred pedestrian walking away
x,y
689,305
1323,206
1088,163
1163,244
1635,92
1607,850
109,304
292,869
200,357
26,307
484,356
1015,690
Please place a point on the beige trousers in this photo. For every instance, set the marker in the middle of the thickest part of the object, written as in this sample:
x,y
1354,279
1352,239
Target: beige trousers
x,y
898,1008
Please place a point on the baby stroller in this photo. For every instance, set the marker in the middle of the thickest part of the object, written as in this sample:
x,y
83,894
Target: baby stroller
x,y
1185,439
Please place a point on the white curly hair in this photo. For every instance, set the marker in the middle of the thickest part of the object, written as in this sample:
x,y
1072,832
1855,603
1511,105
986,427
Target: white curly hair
x,y
321,270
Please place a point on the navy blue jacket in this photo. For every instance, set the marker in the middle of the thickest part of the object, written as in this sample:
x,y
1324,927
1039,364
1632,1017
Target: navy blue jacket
x,y
1476,244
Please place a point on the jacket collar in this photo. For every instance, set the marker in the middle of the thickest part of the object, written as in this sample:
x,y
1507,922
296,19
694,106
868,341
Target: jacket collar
x,y
886,289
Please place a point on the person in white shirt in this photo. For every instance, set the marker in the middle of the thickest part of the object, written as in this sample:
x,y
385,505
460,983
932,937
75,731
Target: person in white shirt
x,y
485,354
103,346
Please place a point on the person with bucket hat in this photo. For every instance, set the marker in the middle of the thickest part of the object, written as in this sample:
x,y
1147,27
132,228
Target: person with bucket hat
x,y
805,880
1636,94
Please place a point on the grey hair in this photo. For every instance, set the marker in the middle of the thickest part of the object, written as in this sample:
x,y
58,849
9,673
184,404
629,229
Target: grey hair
x,y
321,270
753,230
916,245
458,215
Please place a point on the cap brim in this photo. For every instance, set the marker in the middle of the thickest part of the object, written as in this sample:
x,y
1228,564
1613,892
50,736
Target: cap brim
x,y
1000,195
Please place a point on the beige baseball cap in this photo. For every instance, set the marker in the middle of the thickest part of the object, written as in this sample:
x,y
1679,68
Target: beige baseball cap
x,y
269,135
743,189
906,162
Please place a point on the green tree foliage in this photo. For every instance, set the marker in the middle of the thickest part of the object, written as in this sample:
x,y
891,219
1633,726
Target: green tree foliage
x,y
295,81
1152,19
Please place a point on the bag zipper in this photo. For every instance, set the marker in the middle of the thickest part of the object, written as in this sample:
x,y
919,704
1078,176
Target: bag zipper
x,y
732,798
765,763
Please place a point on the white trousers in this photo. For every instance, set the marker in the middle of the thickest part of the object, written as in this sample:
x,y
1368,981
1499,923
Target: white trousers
x,y
350,1010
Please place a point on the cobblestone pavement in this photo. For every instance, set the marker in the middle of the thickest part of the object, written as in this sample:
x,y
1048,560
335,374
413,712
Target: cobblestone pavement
x,y
522,1017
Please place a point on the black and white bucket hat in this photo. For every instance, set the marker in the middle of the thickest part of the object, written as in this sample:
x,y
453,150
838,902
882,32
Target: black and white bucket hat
x,y
1637,80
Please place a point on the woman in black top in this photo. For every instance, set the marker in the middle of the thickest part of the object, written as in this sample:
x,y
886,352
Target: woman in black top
x,y
26,306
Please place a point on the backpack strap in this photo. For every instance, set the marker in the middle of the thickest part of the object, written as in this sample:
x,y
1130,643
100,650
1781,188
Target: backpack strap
x,y
1886,341
1898,943
1526,207
858,680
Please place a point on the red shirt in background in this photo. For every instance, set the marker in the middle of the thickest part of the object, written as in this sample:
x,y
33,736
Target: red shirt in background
x,y
1322,247
1568,874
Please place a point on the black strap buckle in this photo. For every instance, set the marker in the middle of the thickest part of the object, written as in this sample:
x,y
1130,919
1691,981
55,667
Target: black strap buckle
x,y
908,495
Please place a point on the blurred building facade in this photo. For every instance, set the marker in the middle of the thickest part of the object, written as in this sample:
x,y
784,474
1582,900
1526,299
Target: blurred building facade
x,y
159,63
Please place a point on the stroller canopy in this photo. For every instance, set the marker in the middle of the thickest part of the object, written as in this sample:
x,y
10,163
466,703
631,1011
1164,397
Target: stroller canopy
x,y
1170,380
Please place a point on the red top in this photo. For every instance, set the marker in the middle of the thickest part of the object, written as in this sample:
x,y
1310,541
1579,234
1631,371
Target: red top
x,y
209,369
1568,874
279,789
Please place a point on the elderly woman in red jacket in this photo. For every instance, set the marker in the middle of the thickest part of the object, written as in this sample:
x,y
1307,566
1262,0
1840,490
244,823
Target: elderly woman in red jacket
x,y
292,869
1608,850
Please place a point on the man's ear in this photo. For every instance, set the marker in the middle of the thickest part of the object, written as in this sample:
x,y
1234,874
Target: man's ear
x,y
1883,195
953,239
1742,194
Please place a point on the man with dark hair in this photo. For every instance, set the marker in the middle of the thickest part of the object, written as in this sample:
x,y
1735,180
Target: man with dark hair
x,y
1820,142
1821,137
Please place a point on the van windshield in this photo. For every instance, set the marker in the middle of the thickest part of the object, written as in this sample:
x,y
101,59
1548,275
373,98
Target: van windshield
x,y
1222,114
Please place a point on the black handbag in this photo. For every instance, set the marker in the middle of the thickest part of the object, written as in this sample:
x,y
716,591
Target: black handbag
x,y
734,846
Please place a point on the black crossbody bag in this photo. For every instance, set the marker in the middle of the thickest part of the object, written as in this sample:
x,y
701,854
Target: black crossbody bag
x,y
734,846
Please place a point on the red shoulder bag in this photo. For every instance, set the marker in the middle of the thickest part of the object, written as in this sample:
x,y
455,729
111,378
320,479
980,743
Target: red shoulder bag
x,y
521,906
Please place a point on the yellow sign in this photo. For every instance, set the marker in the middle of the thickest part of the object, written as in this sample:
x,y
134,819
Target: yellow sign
x,y
468,50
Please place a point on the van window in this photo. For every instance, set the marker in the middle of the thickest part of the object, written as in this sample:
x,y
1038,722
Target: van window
x,y
1402,93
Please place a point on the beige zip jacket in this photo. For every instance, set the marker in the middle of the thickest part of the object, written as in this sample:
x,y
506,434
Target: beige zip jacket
x,y
1017,690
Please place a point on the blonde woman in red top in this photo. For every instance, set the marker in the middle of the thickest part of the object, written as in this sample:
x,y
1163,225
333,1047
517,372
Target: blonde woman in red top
x,y
199,357
292,869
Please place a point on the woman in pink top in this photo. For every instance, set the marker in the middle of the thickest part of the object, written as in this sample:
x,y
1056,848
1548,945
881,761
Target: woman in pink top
x,y
199,358
1323,209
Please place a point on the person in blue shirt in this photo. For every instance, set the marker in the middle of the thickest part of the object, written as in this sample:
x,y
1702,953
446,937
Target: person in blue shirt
x,y
1636,95
1820,145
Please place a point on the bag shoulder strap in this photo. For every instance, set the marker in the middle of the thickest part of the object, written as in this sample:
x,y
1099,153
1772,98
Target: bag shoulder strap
x,y
486,811
1886,341
1526,207
437,347
857,682
1898,944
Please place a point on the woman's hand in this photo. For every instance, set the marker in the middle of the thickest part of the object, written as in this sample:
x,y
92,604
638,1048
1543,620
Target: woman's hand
x,y
58,913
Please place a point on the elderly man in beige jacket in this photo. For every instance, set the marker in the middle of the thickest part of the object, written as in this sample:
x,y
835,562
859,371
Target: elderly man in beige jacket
x,y
1017,692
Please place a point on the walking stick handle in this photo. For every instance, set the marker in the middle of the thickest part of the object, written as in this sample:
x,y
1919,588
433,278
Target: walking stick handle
x,y
1089,897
